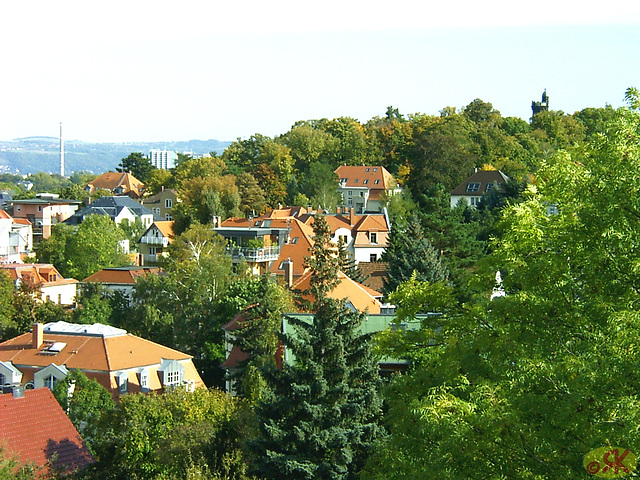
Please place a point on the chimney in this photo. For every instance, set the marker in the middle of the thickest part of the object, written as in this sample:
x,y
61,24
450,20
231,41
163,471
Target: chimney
x,y
18,391
37,335
351,216
288,272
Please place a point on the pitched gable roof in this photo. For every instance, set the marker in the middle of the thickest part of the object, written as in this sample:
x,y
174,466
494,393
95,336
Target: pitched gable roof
x,y
36,429
110,206
376,178
35,274
126,275
478,183
362,298
129,184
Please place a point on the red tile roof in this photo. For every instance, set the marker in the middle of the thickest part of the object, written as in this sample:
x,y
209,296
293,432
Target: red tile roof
x,y
36,429
122,275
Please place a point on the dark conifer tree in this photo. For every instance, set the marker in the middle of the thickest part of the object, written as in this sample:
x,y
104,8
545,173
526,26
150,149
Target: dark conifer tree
x,y
348,264
320,417
409,250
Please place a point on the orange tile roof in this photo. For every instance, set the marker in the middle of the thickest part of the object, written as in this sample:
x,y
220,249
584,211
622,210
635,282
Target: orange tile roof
x,y
362,298
356,175
102,351
112,180
166,228
122,275
298,248
35,273
36,429
5,215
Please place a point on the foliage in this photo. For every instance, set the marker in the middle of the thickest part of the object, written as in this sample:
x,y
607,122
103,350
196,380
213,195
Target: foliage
x,y
12,469
93,246
409,252
138,165
526,386
319,415
258,334
173,435
85,406
78,252
132,232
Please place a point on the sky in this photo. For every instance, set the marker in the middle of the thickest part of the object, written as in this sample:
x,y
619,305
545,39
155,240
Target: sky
x,y
137,70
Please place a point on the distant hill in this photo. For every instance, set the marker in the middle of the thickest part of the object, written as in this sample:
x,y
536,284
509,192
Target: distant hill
x,y
42,154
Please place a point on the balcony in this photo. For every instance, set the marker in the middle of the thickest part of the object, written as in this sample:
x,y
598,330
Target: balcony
x,y
159,241
254,255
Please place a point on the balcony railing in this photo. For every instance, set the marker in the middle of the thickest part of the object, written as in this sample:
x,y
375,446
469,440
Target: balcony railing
x,y
265,254
164,241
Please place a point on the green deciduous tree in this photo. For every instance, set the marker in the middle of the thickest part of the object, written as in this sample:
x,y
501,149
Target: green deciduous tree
x,y
85,404
528,384
319,415
172,436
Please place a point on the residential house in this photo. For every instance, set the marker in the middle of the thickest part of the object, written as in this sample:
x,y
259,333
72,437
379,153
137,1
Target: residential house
x,y
16,238
161,203
44,278
265,242
43,212
357,297
363,187
473,188
121,279
35,429
120,362
154,242
365,236
373,323
118,183
117,208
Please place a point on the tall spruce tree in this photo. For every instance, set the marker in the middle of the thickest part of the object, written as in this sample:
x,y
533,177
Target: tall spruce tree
x,y
408,251
321,414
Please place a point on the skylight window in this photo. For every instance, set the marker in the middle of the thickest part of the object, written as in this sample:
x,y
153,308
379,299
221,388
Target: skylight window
x,y
57,347
473,187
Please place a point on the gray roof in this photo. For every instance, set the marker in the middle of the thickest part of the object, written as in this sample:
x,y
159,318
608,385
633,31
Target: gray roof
x,y
110,206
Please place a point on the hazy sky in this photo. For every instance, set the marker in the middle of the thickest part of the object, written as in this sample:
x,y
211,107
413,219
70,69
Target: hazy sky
x,y
132,70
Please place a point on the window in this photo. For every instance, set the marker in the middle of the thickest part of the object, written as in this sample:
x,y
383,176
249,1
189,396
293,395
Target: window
x,y
144,380
167,217
350,202
474,201
367,169
490,186
156,211
373,237
373,257
343,239
351,193
375,169
3,380
123,382
377,182
18,207
39,208
473,187
153,250
168,203
366,181
50,382
343,180
173,377
355,181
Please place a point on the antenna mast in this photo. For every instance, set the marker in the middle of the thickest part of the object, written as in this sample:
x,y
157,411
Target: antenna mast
x,y
61,152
